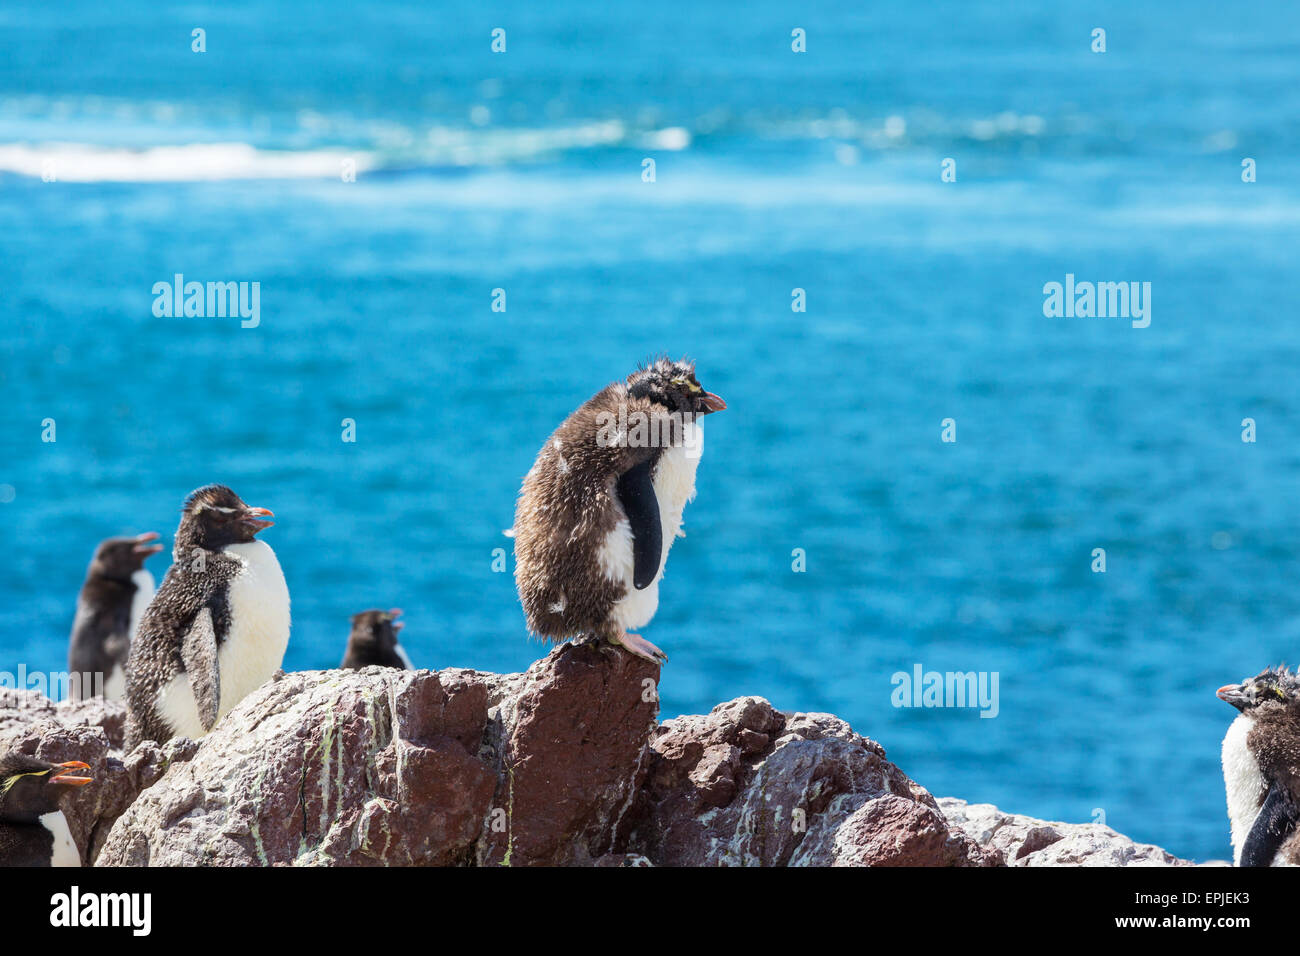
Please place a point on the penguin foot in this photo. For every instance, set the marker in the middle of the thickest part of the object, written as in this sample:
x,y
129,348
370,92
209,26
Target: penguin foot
x,y
639,646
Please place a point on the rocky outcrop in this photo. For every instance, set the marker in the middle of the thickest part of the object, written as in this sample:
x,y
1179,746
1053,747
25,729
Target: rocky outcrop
x,y
565,764
322,767
569,749
1025,841
747,786
389,767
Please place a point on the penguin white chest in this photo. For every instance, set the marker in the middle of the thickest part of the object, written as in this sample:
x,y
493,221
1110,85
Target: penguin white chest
x,y
1243,782
674,483
254,645
674,486
65,849
259,623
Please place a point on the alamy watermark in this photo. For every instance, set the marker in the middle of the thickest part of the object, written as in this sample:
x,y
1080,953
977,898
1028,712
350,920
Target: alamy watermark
x,y
922,688
212,300
1102,300
133,911
56,685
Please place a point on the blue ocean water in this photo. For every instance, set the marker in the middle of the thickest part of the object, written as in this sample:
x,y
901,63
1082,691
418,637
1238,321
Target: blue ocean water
x,y
775,170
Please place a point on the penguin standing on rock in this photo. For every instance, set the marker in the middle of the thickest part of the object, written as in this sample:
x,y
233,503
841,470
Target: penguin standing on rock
x,y
1261,768
603,504
374,641
218,627
33,830
113,597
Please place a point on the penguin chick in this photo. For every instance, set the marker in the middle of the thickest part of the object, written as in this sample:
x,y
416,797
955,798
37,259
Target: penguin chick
x,y
33,830
1261,768
603,503
114,595
374,641
217,628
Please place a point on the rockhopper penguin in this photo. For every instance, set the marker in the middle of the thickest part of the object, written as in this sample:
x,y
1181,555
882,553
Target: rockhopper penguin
x,y
218,627
374,641
33,830
603,503
1261,768
114,595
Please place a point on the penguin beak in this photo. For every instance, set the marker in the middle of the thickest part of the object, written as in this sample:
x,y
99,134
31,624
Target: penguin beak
x,y
394,614
712,403
1231,694
143,545
257,523
62,776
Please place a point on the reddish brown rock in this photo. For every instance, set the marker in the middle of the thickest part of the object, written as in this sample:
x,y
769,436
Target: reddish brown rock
x,y
889,830
377,766
748,786
561,765
572,751
388,767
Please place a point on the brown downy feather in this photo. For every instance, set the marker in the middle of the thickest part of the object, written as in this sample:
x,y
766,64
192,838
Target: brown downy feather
x,y
566,508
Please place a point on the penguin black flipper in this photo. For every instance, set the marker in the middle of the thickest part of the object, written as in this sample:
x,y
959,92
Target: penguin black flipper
x,y
636,492
1276,821
199,654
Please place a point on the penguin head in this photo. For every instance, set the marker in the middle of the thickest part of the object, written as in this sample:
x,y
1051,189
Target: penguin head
x,y
674,385
376,630
214,517
119,558
1272,688
30,787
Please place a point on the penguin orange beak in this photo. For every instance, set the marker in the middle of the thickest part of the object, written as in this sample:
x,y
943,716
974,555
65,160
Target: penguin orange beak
x,y
394,614
257,523
1231,694
713,403
62,776
143,545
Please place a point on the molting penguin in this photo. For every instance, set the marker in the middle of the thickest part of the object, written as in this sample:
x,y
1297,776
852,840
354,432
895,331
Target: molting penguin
x,y
603,504
114,595
374,641
33,830
218,627
1261,768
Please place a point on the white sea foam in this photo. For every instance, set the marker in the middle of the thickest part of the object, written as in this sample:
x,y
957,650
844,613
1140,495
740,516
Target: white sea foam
x,y
83,163
435,147
95,140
